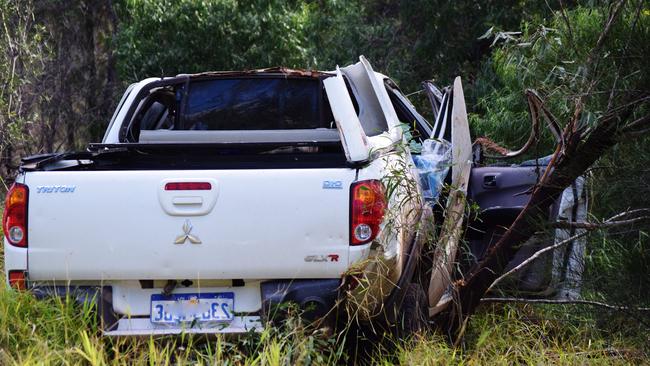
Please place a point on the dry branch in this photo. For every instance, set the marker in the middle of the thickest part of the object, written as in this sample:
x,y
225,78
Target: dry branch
x,y
636,128
562,302
598,225
530,259
536,108
581,225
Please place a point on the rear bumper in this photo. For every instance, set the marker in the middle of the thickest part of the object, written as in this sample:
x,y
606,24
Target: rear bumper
x,y
317,297
143,327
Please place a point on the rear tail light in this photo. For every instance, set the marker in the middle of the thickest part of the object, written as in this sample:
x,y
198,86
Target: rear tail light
x,y
188,186
14,220
368,204
17,280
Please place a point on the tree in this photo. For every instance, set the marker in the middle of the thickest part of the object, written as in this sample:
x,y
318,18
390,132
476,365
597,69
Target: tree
x,y
604,108
58,69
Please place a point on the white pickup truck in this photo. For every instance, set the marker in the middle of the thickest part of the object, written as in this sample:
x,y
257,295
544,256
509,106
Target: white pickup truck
x,y
214,196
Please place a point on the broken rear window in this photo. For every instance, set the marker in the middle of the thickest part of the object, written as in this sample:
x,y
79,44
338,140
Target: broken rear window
x,y
253,104
231,110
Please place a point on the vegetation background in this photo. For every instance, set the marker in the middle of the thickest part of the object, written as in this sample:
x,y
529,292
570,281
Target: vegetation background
x,y
65,63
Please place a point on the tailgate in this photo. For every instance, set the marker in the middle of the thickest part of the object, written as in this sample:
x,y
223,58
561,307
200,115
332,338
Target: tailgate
x,y
249,224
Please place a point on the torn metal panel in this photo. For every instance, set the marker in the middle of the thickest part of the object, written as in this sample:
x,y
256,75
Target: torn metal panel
x,y
441,105
370,113
353,138
443,117
435,97
376,113
461,141
451,232
386,105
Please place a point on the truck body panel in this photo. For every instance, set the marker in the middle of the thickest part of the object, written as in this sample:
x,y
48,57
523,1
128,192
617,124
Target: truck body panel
x,y
112,225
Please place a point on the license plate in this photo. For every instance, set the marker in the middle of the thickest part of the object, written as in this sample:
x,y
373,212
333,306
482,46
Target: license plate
x,y
177,308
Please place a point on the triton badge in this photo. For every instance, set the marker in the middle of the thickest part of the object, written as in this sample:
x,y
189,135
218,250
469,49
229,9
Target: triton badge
x,y
55,189
187,229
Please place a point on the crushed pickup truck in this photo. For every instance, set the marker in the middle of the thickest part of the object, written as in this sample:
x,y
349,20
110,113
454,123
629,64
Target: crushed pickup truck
x,y
214,197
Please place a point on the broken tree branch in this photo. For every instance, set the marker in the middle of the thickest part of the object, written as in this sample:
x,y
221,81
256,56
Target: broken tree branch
x,y
597,225
629,213
562,302
580,225
537,254
636,128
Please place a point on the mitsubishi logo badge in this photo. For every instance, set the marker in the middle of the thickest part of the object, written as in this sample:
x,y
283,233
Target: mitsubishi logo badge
x,y
187,229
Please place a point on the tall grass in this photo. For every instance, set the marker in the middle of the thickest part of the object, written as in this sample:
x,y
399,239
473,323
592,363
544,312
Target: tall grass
x,y
61,332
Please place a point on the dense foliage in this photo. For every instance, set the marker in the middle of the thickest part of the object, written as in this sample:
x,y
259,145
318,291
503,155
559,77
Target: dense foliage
x,y
551,59
170,37
411,41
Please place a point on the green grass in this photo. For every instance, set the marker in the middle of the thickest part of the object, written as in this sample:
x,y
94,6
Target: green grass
x,y
60,332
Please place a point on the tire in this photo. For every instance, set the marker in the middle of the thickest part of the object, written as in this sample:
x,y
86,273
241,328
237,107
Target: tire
x,y
413,312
